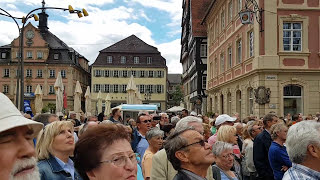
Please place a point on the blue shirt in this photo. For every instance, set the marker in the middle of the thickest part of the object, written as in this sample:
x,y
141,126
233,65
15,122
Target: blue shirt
x,y
142,146
300,172
68,167
139,173
278,157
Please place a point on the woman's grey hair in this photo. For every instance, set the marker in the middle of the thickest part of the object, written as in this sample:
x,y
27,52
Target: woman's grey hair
x,y
184,122
299,136
220,147
175,120
276,128
173,144
153,133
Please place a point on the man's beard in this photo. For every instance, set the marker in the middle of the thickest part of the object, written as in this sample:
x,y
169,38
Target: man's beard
x,y
25,164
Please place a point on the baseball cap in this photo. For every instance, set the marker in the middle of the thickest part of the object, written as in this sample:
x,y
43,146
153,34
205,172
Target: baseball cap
x,y
224,118
10,117
193,113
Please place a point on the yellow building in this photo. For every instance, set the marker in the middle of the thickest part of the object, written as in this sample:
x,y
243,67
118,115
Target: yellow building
x,y
131,56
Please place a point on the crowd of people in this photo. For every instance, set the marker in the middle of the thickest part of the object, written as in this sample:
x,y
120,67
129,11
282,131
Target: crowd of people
x,y
159,146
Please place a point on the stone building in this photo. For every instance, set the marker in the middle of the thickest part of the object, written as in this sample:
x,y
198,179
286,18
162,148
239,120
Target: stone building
x,y
253,72
174,82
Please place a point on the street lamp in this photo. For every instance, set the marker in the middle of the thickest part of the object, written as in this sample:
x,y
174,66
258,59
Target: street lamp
x,y
247,15
24,20
147,96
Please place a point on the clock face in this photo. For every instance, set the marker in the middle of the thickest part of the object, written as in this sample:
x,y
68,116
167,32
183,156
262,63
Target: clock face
x,y
30,34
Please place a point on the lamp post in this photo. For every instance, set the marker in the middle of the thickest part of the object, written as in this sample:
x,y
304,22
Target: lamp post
x,y
21,30
147,96
247,15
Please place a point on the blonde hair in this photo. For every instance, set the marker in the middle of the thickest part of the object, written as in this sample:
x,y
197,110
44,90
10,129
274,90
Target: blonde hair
x,y
46,137
276,128
225,133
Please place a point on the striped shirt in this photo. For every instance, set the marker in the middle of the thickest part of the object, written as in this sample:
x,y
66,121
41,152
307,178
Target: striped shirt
x,y
300,172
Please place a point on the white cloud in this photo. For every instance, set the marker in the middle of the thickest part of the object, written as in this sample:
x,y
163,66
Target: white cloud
x,y
169,51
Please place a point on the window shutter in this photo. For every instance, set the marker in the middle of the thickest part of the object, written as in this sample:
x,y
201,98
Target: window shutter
x,y
102,73
129,74
154,73
162,88
120,88
111,88
120,73
110,73
94,73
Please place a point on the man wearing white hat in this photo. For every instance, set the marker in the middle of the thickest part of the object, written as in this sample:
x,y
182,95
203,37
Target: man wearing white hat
x,y
17,152
222,119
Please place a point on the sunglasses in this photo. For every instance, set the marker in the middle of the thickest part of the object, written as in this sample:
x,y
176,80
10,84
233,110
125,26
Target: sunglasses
x,y
201,142
146,121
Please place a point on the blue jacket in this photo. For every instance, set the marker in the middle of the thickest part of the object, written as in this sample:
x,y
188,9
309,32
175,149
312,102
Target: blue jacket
x,y
261,147
278,157
50,169
135,140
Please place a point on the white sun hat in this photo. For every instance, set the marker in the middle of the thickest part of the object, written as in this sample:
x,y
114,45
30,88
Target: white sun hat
x,y
224,118
10,117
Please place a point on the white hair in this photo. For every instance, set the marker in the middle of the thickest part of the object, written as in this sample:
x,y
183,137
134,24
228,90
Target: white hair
x,y
299,137
184,122
220,146
163,114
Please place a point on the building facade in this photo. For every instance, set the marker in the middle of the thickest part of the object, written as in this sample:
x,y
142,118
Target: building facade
x,y
45,55
174,82
131,56
194,55
253,72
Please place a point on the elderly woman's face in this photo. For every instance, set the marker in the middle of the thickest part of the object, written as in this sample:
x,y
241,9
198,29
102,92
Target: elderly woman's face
x,y
110,169
156,141
233,138
64,141
225,159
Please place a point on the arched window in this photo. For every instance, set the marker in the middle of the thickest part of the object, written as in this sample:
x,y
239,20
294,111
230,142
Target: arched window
x,y
238,102
216,104
229,103
221,104
250,101
292,99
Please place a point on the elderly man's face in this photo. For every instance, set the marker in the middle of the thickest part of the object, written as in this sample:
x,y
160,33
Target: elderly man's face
x,y
196,152
145,124
164,119
17,153
73,116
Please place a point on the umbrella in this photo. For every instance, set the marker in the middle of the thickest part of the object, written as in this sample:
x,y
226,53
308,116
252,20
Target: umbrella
x,y
131,88
88,102
175,109
58,86
107,109
138,98
77,100
38,101
99,97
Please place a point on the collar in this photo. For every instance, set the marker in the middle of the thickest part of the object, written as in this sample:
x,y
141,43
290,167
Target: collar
x,y
63,164
192,175
139,134
305,170
53,163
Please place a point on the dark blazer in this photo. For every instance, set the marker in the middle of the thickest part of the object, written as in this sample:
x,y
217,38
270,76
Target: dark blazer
x,y
261,147
181,176
135,139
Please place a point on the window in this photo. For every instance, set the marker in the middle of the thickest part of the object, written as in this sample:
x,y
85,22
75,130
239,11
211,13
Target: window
x,y
52,73
239,51
18,55
239,5
203,50
251,44
159,74
3,55
51,89
230,11
125,73
149,60
56,56
28,89
6,73
216,67
29,54
292,36
238,102
221,63
222,20
250,110
159,88
136,60
204,82
124,88
5,89
123,59
97,73
149,88
150,74
133,73
109,59
115,73
292,99
63,73
106,73
39,55
97,87
115,88
39,73
106,88
141,73
229,57
29,73
141,87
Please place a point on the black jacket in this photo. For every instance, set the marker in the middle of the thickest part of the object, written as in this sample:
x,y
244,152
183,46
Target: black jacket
x,y
181,176
261,147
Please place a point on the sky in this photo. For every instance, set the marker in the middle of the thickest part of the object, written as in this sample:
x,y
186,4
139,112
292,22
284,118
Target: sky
x,y
156,22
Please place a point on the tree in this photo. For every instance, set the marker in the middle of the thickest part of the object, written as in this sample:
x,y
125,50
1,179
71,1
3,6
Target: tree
x,y
177,96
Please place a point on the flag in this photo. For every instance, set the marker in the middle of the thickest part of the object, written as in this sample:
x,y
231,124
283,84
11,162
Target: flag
x,y
65,105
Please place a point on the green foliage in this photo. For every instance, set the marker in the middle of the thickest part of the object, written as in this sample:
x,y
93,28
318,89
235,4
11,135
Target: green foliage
x,y
177,96
50,107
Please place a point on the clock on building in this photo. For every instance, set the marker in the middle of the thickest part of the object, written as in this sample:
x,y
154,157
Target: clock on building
x,y
29,34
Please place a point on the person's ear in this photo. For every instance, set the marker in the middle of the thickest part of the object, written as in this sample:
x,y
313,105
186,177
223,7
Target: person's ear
x,y
314,151
182,156
92,175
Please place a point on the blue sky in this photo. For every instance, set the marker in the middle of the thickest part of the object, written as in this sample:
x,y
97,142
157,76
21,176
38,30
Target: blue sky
x,y
157,22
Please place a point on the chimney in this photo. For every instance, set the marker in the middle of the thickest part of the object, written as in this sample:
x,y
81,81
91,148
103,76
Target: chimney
x,y
43,21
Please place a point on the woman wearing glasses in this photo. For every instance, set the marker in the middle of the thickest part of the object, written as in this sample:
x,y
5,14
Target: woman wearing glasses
x,y
224,158
54,147
104,152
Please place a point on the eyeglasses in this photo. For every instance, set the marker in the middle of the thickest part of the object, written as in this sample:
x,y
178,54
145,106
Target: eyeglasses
x,y
231,155
146,121
120,161
201,142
